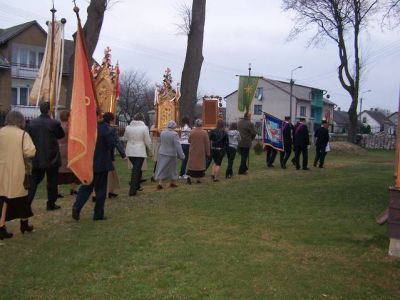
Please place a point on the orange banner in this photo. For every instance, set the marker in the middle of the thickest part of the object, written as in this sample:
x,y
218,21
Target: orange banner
x,y
83,122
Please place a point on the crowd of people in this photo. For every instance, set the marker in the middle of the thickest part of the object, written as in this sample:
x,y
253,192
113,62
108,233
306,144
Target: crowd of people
x,y
40,148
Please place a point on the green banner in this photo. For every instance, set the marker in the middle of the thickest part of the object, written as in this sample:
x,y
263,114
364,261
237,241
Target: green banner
x,y
247,89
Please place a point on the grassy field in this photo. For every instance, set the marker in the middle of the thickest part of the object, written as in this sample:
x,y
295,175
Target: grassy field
x,y
274,234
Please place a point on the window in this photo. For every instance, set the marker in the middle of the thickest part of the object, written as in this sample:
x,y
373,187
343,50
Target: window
x,y
23,57
257,109
32,59
23,96
14,96
259,93
303,111
313,113
364,119
19,96
40,58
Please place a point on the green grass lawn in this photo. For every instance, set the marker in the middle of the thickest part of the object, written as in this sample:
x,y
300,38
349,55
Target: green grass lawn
x,y
282,234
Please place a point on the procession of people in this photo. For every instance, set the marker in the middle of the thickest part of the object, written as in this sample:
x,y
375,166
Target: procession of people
x,y
44,142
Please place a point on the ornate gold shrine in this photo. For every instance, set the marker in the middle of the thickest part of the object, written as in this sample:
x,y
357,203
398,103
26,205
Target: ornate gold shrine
x,y
211,111
106,83
166,102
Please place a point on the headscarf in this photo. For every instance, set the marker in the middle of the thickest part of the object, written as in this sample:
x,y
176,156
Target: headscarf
x,y
171,124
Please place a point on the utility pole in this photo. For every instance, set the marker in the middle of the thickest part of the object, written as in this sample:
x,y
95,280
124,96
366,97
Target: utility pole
x,y
291,92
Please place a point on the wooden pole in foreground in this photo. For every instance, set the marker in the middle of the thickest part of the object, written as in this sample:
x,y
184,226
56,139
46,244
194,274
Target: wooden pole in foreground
x,y
397,164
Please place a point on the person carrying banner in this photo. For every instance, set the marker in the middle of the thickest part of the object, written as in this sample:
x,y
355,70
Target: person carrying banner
x,y
102,164
45,133
287,142
270,156
301,143
321,141
247,134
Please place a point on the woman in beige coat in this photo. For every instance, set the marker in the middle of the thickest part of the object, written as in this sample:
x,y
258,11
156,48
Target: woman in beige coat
x,y
198,151
15,144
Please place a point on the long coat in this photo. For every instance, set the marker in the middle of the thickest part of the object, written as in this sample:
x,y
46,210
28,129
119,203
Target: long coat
x,y
138,139
300,137
198,150
247,132
12,168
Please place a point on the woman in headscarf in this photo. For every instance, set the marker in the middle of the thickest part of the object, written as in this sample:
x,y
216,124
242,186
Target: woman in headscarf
x,y
169,149
198,151
15,146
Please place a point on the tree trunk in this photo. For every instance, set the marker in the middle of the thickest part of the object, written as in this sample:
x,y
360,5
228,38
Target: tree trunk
x,y
193,61
353,120
91,29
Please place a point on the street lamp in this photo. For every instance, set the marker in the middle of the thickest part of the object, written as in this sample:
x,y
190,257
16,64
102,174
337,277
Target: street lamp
x,y
291,90
361,99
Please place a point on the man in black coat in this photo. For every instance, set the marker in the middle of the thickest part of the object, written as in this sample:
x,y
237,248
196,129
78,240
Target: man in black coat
x,y
321,141
301,142
287,142
45,132
102,164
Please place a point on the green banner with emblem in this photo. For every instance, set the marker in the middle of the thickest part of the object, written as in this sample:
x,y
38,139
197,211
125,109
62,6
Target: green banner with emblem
x,y
247,89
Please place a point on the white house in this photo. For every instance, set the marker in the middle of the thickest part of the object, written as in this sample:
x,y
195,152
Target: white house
x,y
377,121
273,97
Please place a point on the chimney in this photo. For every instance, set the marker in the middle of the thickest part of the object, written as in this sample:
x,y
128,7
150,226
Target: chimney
x,y
376,109
338,109
371,109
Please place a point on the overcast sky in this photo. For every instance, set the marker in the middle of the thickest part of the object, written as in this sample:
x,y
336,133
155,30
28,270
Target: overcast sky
x,y
143,36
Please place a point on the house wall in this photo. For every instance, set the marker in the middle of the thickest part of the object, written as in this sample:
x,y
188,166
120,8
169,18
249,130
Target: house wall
x,y
375,126
31,37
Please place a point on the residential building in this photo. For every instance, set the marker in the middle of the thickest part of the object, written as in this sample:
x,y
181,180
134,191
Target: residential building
x,y
22,50
273,97
377,121
340,122
394,117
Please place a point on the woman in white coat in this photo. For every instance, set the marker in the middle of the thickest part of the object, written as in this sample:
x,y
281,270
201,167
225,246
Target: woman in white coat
x,y
15,145
138,143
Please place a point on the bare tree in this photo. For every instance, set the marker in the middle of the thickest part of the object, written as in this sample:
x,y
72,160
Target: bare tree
x,y
185,15
136,96
340,21
194,58
392,14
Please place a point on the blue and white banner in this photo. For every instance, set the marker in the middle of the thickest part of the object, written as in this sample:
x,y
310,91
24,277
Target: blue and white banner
x,y
272,132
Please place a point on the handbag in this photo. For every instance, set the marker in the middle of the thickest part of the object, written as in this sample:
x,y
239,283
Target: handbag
x,y
327,148
28,167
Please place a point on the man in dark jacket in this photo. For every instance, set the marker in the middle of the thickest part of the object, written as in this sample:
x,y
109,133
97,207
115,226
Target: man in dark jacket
x,y
321,140
287,142
102,164
301,142
45,132
247,134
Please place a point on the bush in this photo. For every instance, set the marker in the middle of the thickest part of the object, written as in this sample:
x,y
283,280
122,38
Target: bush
x,y
258,148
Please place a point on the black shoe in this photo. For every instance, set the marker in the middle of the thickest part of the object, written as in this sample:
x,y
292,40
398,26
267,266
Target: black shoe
x,y
306,169
24,226
142,180
283,166
132,193
198,181
315,165
4,234
60,196
270,166
75,214
212,177
112,195
53,207
100,219
321,167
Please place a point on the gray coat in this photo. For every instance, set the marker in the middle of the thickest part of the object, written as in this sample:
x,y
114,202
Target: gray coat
x,y
169,144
